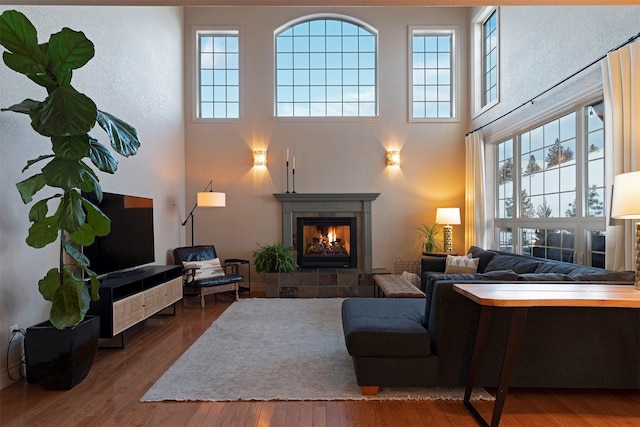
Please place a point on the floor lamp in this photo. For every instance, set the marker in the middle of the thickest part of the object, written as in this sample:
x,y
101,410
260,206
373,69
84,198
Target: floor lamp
x,y
448,216
206,199
626,205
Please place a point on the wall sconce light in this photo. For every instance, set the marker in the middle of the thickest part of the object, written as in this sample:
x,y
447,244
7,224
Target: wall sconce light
x,y
448,216
259,157
393,158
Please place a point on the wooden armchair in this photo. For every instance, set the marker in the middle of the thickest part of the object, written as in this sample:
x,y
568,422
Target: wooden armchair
x,y
203,272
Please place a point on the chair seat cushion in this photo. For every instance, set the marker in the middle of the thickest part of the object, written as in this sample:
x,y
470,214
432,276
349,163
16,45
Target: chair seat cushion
x,y
215,281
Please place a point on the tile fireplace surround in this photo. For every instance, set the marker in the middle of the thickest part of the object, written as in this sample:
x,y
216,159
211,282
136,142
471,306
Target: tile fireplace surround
x,y
358,205
326,282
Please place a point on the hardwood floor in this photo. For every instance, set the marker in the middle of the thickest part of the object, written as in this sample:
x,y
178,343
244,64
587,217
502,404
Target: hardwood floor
x,y
110,395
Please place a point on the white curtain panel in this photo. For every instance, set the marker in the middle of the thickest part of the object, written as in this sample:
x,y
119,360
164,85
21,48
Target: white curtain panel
x,y
621,84
475,224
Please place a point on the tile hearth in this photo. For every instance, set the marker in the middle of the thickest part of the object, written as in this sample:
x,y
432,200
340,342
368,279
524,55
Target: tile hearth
x,y
322,283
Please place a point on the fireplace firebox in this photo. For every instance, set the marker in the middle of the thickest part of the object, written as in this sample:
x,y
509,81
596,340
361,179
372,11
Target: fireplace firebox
x,y
327,242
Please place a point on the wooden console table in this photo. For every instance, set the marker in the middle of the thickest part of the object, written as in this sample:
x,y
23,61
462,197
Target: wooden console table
x,y
519,297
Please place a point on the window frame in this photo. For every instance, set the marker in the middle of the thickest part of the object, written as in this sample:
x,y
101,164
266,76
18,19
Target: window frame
x,y
327,16
478,60
582,224
218,30
431,30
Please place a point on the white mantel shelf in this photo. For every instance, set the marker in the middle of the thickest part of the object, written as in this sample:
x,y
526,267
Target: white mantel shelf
x,y
349,204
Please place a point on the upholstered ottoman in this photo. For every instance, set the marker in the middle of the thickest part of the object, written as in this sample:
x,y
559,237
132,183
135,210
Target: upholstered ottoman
x,y
387,330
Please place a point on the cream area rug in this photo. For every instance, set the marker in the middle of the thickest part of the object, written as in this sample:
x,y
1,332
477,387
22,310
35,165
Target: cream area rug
x,y
276,349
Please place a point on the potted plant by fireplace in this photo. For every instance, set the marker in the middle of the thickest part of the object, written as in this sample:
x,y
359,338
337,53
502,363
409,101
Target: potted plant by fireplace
x,y
275,258
63,215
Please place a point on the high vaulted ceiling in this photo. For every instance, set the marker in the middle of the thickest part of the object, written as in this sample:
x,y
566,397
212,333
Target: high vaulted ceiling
x,y
396,3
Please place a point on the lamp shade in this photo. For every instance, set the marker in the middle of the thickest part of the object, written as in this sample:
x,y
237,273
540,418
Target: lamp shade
x,y
449,216
211,199
626,196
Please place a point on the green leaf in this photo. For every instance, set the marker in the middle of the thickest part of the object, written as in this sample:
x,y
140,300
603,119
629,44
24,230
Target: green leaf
x,y
100,223
90,180
70,302
62,173
39,210
30,186
25,65
19,36
73,147
68,50
34,161
71,216
65,112
124,137
43,232
83,262
44,80
24,107
102,157
95,286
78,257
84,235
49,284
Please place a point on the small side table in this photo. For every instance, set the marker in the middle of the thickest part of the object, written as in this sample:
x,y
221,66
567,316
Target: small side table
x,y
242,262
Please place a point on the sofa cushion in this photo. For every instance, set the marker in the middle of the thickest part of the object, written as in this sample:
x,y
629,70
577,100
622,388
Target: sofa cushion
x,y
544,277
507,275
557,267
484,255
604,276
519,264
385,327
461,264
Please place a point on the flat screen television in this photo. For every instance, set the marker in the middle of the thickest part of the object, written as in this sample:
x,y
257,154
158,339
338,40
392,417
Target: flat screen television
x,y
130,244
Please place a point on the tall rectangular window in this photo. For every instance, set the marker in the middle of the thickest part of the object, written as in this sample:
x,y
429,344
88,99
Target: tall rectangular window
x,y
432,74
218,74
550,189
490,59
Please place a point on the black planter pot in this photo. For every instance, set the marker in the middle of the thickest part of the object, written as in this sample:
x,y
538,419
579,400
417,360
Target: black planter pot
x,y
61,359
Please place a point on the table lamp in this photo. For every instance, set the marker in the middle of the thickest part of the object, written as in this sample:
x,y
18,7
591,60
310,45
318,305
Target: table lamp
x,y
448,216
626,205
206,199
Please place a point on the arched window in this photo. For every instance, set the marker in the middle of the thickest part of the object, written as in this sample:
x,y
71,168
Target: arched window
x,y
326,67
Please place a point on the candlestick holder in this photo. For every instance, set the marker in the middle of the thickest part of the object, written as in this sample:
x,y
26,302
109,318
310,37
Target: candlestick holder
x,y
293,175
287,176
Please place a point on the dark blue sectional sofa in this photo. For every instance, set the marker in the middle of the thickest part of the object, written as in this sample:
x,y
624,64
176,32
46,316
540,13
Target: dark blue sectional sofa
x,y
403,342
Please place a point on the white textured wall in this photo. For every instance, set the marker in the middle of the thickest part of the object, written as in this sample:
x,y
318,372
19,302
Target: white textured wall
x,y
332,155
137,75
541,46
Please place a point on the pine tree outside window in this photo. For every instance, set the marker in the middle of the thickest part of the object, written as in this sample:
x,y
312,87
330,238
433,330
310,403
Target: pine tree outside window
x,y
550,189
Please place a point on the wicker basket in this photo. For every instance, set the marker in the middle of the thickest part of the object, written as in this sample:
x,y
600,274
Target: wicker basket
x,y
410,270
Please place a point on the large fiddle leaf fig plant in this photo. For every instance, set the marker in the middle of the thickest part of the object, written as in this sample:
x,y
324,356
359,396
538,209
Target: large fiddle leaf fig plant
x,y
66,116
